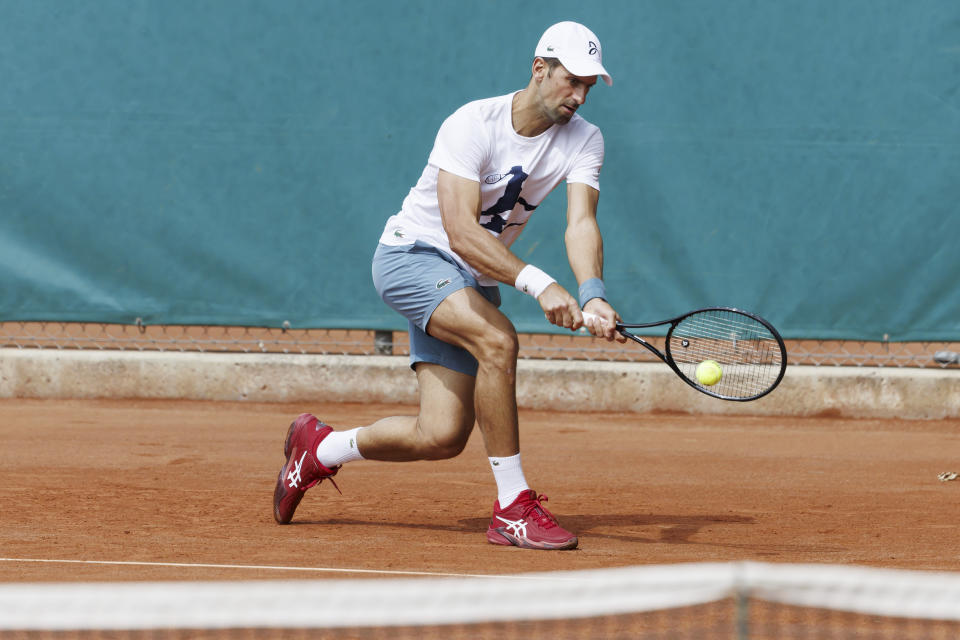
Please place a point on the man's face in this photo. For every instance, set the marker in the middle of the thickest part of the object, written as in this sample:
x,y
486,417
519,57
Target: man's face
x,y
561,93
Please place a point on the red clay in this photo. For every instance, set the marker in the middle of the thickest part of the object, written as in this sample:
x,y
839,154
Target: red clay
x,y
192,483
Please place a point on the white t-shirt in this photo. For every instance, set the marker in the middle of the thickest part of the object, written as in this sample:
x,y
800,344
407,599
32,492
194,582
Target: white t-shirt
x,y
515,173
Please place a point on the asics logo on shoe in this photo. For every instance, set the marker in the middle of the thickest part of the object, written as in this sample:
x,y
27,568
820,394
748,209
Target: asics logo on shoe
x,y
294,475
516,527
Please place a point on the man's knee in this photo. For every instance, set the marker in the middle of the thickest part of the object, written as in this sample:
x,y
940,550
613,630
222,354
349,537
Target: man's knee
x,y
446,411
499,347
444,444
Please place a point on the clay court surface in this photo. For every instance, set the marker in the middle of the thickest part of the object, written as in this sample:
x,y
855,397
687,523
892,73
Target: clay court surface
x,y
148,484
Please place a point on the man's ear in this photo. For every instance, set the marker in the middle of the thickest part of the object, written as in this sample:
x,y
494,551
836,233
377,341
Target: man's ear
x,y
538,69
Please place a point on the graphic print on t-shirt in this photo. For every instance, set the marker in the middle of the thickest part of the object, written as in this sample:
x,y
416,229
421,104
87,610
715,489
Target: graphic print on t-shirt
x,y
491,218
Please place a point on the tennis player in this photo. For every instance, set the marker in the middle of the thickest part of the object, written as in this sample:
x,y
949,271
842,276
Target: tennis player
x,y
438,264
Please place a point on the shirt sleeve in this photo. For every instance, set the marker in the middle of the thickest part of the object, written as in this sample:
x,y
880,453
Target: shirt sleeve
x,y
460,147
586,166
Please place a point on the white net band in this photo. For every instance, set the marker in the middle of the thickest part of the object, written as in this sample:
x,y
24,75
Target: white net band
x,y
444,601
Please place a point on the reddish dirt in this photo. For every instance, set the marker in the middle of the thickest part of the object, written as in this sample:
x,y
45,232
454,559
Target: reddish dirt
x,y
191,483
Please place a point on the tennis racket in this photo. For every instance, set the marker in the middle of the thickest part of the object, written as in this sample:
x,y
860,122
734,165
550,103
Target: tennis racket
x,y
750,352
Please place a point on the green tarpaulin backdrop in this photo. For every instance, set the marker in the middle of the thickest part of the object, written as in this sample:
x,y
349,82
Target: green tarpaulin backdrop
x,y
234,161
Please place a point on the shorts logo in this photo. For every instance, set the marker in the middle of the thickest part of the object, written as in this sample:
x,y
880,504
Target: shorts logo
x,y
442,283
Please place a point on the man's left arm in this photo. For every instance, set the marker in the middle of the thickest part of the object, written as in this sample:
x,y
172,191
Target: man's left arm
x,y
585,253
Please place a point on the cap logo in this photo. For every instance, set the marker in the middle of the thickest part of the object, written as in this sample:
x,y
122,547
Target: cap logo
x,y
549,48
593,48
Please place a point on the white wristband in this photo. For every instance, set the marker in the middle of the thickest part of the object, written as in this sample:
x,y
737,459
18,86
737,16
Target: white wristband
x,y
533,281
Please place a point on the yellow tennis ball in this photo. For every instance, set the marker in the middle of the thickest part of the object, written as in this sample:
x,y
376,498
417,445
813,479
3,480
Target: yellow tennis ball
x,y
709,373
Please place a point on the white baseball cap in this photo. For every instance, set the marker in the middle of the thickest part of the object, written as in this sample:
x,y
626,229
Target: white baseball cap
x,y
577,48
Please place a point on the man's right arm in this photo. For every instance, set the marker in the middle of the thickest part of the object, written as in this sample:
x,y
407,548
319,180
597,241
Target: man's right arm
x,y
459,200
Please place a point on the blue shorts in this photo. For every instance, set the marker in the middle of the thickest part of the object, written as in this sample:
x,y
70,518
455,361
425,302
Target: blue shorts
x,y
414,279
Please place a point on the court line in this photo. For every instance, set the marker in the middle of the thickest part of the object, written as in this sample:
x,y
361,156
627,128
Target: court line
x,y
188,565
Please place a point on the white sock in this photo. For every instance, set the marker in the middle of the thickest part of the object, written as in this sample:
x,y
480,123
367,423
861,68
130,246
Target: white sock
x,y
339,447
508,472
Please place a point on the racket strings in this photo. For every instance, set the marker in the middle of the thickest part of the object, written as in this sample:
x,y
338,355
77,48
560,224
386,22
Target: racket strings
x,y
749,354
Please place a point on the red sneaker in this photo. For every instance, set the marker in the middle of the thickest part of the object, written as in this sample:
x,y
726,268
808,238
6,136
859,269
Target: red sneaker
x,y
302,470
526,523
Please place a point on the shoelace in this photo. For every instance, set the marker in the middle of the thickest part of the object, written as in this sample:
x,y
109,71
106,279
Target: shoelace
x,y
330,478
332,481
540,513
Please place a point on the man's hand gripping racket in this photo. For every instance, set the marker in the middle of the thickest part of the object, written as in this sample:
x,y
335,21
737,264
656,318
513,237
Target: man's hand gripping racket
x,y
725,353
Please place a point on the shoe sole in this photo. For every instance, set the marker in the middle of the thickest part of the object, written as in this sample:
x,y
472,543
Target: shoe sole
x,y
497,536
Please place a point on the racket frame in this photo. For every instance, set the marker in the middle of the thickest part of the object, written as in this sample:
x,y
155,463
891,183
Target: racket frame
x,y
622,329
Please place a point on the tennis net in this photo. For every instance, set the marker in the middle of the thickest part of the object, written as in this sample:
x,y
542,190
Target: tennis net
x,y
696,600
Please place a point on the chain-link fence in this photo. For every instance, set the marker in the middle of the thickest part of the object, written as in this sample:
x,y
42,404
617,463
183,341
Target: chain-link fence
x,y
139,337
